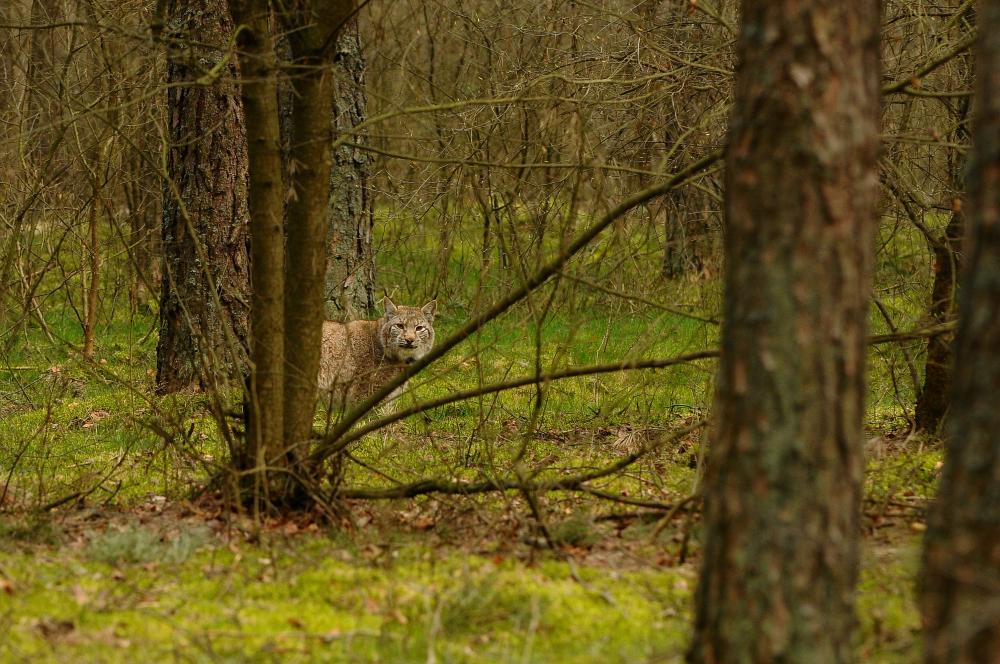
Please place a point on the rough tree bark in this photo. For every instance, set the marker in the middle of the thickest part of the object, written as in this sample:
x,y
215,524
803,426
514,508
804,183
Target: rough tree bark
x,y
350,262
204,312
960,593
782,488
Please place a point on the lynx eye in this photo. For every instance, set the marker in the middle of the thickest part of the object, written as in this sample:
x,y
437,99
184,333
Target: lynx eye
x,y
420,328
397,326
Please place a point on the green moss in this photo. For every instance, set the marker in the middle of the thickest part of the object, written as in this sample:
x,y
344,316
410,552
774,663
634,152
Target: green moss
x,y
890,622
308,603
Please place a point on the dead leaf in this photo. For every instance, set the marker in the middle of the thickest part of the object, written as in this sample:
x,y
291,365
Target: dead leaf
x,y
424,523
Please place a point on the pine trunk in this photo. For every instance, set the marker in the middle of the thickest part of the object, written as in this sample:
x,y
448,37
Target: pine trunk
x,y
350,262
204,314
783,481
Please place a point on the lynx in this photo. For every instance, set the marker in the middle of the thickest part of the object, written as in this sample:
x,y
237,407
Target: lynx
x,y
360,357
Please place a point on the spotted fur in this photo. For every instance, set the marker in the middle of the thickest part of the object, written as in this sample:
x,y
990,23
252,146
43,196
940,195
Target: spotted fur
x,y
360,357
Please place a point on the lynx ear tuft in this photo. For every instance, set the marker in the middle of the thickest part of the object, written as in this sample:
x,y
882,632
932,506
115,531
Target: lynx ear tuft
x,y
429,309
388,307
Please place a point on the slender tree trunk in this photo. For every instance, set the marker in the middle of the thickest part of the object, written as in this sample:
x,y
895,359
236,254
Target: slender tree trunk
x,y
935,393
960,594
37,145
782,489
38,110
687,232
312,29
144,215
933,399
93,249
204,314
350,263
266,198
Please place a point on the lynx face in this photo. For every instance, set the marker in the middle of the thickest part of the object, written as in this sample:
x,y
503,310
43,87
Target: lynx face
x,y
407,333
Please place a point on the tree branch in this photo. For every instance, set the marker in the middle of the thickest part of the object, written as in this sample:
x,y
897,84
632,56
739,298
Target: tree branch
x,y
332,443
905,84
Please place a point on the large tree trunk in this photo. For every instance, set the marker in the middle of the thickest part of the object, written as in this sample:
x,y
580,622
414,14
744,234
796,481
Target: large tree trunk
x,y
960,596
204,315
782,489
287,306
350,262
265,444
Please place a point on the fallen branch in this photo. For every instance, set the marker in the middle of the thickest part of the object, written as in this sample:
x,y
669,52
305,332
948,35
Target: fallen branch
x,y
574,483
912,335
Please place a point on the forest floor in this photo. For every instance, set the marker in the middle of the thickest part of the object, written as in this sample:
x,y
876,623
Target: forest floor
x,y
110,549
416,581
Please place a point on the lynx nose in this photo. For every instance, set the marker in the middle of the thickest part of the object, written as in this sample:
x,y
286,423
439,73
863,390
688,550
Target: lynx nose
x,y
409,340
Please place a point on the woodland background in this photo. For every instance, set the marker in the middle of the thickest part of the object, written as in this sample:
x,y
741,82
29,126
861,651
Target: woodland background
x,y
553,174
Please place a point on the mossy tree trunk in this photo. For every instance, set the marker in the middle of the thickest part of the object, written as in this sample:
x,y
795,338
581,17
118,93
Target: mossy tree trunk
x,y
350,263
204,302
960,589
783,480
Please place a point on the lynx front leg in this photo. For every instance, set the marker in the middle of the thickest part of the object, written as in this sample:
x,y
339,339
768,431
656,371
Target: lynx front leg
x,y
388,407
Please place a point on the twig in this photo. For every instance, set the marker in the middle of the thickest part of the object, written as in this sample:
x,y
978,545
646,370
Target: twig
x,y
345,440
669,516
904,84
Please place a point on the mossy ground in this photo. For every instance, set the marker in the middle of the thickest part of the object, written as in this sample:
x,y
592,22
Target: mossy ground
x,y
369,596
135,563
131,570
